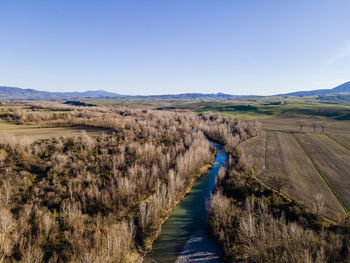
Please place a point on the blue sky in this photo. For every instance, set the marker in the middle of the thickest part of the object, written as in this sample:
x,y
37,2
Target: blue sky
x,y
156,47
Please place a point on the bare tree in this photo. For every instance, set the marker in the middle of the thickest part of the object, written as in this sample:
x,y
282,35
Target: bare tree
x,y
301,125
279,181
318,203
323,126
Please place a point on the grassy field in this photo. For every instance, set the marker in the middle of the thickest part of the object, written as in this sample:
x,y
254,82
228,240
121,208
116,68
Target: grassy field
x,y
246,109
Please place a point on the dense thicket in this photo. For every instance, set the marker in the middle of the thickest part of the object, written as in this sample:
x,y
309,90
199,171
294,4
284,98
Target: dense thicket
x,y
99,199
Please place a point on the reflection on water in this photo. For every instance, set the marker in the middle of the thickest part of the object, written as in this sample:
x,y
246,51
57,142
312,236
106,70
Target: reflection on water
x,y
188,218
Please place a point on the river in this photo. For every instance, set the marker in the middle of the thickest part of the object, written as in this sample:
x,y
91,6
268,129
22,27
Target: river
x,y
183,237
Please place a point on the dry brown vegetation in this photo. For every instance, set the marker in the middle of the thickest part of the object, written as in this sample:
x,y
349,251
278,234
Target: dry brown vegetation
x,y
103,198
254,234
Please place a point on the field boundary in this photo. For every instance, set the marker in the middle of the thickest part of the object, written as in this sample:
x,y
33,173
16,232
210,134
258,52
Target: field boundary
x,y
343,146
247,140
265,153
321,176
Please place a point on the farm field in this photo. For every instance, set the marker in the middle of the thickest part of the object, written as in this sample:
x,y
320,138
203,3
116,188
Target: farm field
x,y
289,124
278,154
35,133
261,110
332,160
343,139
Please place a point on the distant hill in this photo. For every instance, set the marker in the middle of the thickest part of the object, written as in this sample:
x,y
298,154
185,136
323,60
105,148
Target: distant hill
x,y
341,89
13,93
342,92
31,94
191,96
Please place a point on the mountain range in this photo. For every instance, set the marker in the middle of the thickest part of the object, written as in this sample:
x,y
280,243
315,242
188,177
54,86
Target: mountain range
x,y
341,89
31,94
13,93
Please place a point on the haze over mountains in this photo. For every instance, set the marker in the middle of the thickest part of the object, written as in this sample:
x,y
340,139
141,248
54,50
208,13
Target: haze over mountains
x,y
13,93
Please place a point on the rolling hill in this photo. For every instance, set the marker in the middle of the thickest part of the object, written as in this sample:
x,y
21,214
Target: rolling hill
x,y
31,94
341,89
13,93
341,92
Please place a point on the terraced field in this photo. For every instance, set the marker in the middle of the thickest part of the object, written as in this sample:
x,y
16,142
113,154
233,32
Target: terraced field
x,y
282,153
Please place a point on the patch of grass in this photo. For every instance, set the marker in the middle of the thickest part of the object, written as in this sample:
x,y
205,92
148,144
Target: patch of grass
x,y
12,126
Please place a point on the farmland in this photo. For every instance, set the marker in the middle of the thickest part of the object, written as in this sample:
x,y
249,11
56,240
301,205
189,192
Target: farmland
x,y
314,163
36,133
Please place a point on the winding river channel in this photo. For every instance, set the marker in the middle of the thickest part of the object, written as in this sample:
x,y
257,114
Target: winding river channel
x,y
183,237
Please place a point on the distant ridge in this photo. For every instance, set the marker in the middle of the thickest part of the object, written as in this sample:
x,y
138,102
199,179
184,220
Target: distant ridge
x,y
191,96
341,89
31,94
13,93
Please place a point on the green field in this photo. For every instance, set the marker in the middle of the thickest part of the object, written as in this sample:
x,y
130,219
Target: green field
x,y
257,107
294,109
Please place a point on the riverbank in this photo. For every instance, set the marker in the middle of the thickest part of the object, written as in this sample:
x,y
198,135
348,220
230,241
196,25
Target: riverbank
x,y
188,218
150,239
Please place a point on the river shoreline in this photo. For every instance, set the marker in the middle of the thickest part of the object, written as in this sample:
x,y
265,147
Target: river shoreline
x,y
188,216
149,241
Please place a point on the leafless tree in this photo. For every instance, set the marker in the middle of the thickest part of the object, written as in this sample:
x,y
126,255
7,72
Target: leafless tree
x,y
279,181
318,203
300,125
323,126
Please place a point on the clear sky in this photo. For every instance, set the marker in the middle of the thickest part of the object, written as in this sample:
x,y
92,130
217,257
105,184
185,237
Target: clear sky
x,y
157,47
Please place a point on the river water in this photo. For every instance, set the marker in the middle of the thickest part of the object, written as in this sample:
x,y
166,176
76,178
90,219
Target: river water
x,y
183,237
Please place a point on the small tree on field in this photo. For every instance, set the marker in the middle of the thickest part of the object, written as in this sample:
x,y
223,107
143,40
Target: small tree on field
x,y
323,126
279,181
300,124
318,203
